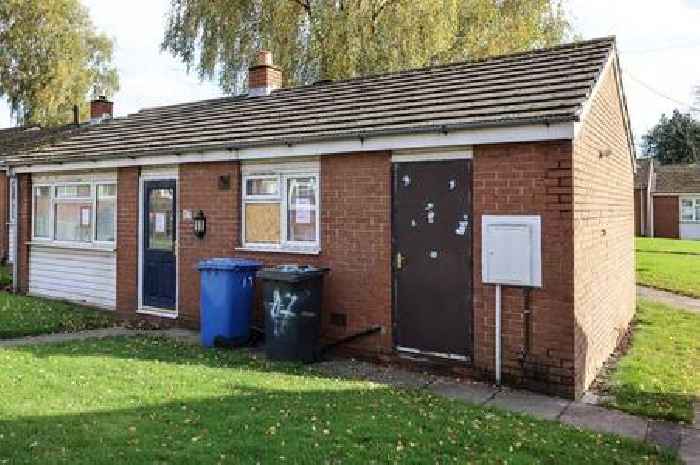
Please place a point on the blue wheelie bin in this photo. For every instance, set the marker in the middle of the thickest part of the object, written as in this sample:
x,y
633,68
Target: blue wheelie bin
x,y
226,299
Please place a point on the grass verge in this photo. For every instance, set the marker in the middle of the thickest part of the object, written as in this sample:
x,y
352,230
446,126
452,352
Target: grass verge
x,y
667,264
659,377
26,316
148,400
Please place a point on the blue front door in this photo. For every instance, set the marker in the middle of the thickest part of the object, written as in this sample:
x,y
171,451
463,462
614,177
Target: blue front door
x,y
159,225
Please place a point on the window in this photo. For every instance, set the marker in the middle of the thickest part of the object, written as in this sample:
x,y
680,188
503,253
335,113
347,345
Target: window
x,y
281,211
105,208
42,211
75,212
690,210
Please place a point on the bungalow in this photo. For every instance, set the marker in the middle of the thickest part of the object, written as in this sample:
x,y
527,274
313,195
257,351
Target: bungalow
x,y
14,141
479,213
673,209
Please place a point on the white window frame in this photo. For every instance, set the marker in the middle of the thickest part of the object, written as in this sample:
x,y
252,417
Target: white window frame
x,y
696,203
284,244
51,239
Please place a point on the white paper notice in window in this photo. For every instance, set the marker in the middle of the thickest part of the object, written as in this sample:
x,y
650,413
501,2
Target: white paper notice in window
x,y
160,222
303,211
85,216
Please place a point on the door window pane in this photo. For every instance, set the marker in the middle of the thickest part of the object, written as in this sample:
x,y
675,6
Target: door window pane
x,y
160,219
42,211
301,209
104,213
73,221
262,223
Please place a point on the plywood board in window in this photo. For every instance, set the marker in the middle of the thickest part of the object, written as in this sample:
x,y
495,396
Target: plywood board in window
x,y
262,222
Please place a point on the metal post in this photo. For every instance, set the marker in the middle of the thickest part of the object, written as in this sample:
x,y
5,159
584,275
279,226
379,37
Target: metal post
x,y
498,334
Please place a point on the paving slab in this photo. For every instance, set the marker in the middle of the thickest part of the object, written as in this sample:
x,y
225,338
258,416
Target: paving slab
x,y
471,393
690,446
675,300
665,434
64,337
603,420
391,376
179,334
537,405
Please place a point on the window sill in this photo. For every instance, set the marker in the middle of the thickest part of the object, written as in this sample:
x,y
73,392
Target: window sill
x,y
64,245
287,250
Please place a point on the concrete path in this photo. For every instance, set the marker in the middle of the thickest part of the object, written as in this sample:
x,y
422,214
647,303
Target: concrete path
x,y
582,414
179,334
669,298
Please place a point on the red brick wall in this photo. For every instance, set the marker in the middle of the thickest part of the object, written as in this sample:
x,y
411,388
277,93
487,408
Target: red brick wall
x,y
4,215
198,189
603,232
355,239
127,239
528,179
666,220
24,226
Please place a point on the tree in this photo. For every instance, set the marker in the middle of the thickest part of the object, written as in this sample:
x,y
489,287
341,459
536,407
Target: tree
x,y
674,140
51,57
335,39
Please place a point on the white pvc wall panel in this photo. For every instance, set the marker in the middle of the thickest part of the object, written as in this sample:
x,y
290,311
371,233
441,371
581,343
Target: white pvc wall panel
x,y
80,275
11,242
690,231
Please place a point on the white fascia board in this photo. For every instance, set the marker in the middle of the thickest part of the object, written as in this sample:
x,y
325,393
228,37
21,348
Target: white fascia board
x,y
454,138
675,194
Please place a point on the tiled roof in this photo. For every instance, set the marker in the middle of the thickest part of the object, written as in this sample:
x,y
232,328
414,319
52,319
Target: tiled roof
x,y
677,178
641,176
540,86
21,139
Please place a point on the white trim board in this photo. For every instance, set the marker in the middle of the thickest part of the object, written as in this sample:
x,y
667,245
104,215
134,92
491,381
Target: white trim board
x,y
675,194
418,155
459,138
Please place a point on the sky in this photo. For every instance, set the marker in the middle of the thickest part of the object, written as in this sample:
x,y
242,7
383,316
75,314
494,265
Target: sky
x,y
658,40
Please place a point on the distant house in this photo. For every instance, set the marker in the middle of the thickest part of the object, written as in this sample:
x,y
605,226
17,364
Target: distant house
x,y
14,141
419,190
672,193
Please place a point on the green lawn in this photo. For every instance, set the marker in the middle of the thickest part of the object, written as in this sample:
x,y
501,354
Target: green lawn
x,y
5,275
669,264
155,401
24,316
660,375
655,244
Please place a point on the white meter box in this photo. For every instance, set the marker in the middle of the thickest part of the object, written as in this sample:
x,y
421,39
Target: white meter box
x,y
511,250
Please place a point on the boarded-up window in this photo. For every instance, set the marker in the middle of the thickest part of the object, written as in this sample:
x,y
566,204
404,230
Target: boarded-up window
x,y
281,210
262,223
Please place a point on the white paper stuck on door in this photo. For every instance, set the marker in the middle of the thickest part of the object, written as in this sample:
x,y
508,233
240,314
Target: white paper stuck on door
x,y
303,211
160,222
85,216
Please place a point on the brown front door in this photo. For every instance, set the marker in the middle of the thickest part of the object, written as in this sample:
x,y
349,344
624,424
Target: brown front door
x,y
432,250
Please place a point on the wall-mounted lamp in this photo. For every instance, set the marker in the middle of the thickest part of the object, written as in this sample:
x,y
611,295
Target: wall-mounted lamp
x,y
200,224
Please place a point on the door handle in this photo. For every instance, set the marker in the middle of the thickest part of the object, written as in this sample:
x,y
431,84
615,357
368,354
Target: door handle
x,y
399,260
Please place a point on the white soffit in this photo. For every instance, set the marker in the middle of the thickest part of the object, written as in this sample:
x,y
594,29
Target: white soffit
x,y
455,138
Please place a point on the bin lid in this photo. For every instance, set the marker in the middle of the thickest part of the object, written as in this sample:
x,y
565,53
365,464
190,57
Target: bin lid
x,y
232,264
291,273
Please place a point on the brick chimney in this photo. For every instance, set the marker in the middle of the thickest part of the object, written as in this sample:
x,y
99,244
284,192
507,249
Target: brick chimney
x,y
263,76
101,109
